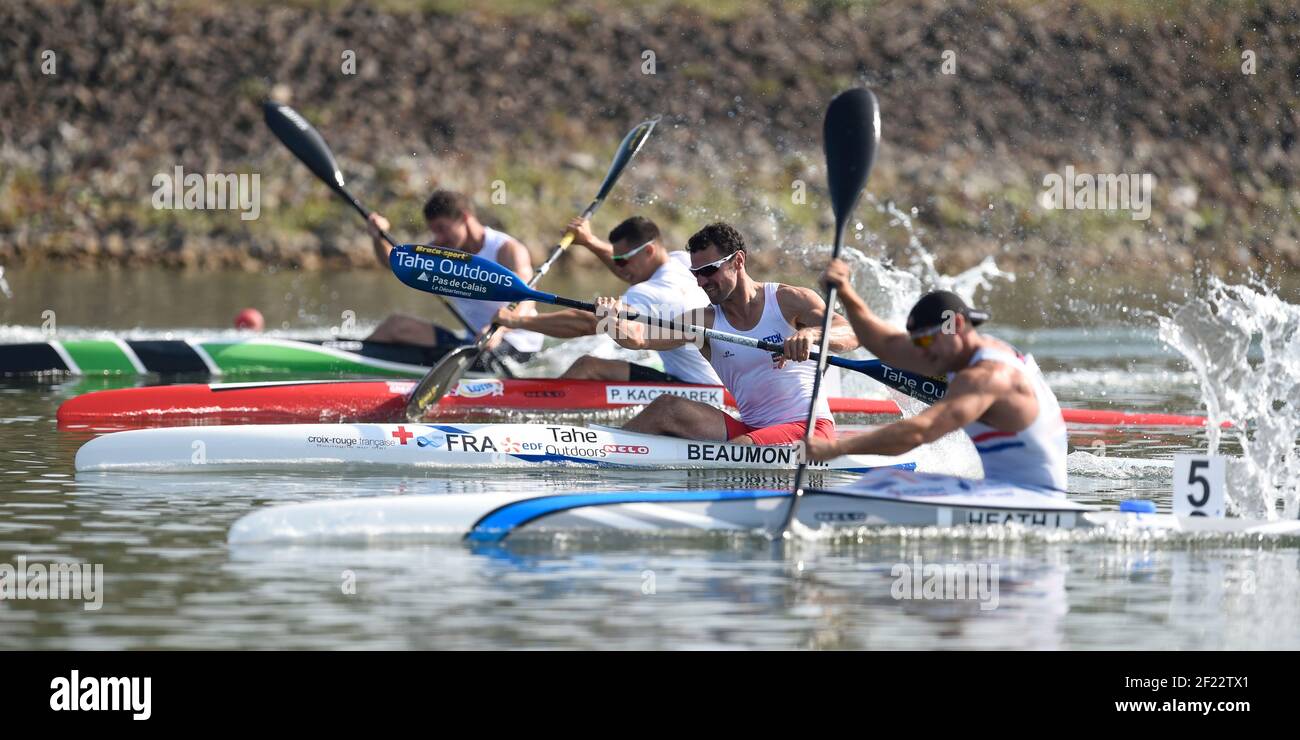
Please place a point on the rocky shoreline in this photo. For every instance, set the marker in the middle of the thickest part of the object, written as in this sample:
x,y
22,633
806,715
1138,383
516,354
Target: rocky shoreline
x,y
527,106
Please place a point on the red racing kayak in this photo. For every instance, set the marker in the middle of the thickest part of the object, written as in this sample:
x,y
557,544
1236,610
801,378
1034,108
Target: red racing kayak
x,y
385,401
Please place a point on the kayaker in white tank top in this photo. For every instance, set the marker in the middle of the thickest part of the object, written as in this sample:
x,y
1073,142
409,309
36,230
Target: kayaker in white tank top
x,y
1034,455
999,399
773,396
765,394
453,224
480,313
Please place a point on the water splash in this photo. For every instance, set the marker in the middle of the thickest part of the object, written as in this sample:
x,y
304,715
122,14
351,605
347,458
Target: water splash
x,y
1103,467
1243,344
923,260
891,291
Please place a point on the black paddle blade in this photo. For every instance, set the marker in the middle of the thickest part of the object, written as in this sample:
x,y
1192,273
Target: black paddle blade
x,y
440,379
304,141
632,144
851,134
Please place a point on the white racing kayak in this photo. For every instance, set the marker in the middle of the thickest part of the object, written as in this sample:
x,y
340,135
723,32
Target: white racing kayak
x,y
405,446
880,498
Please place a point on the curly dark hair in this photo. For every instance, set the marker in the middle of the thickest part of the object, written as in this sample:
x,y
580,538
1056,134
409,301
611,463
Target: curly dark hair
x,y
446,204
723,236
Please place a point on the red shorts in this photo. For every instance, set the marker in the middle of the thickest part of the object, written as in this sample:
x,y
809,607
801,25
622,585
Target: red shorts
x,y
780,434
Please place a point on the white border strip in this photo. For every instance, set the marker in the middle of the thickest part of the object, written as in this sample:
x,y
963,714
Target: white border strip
x,y
203,355
132,356
62,352
352,357
278,383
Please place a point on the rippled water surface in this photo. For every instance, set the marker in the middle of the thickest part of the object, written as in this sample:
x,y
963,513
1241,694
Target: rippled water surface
x,y
171,581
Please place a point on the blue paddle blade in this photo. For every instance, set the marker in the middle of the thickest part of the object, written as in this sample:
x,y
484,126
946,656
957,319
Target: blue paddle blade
x,y
451,273
920,387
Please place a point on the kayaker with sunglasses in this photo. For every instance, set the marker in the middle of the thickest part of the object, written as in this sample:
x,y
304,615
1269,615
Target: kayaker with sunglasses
x,y
772,392
662,285
997,395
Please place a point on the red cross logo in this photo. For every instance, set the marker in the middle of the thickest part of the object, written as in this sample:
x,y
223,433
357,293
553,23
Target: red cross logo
x,y
402,434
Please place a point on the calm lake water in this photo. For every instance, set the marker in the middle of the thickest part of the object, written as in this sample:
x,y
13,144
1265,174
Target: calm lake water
x,y
171,581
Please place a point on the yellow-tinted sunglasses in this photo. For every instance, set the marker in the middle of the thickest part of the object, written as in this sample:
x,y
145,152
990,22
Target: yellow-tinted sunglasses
x,y
926,339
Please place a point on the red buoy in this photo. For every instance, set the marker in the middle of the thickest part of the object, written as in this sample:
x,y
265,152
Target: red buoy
x,y
250,318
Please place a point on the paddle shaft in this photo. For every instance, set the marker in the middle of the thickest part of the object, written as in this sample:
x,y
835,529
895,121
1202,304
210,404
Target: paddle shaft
x,y
861,366
306,143
832,295
630,145
439,379
450,272
473,330
850,133
541,270
823,356
448,370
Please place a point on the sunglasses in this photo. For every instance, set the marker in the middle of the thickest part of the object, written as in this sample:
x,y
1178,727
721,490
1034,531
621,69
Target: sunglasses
x,y
926,339
712,267
631,254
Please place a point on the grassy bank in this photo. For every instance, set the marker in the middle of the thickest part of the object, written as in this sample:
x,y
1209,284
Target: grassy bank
x,y
525,101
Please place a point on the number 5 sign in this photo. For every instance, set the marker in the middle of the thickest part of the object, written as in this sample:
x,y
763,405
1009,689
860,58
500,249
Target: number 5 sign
x,y
1199,488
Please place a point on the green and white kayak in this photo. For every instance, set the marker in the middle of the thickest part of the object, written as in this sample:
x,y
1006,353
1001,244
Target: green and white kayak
x,y
229,357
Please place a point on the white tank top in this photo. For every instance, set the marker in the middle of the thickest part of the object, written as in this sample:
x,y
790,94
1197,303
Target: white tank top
x,y
669,293
479,313
1034,456
765,395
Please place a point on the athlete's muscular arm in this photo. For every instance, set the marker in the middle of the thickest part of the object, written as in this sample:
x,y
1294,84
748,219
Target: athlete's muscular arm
x,y
636,335
970,395
583,236
889,343
806,310
515,256
563,324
